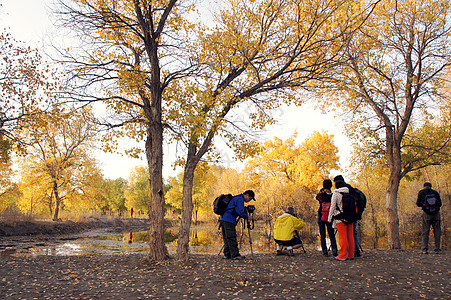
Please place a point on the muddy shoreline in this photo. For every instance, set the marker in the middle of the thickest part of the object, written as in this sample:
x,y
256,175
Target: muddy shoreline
x,y
33,228
25,234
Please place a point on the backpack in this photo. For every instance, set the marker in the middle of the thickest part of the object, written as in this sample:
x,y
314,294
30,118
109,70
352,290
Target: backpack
x,y
220,203
325,207
430,204
361,203
354,204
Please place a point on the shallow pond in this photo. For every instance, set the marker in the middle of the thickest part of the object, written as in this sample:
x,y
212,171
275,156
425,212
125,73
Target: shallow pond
x,y
204,239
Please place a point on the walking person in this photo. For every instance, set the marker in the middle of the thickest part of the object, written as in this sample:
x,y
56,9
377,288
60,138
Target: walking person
x,y
228,221
429,200
324,198
345,228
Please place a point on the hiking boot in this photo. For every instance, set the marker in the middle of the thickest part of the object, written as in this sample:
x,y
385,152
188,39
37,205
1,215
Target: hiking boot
x,y
325,254
279,253
438,251
226,257
290,252
339,258
239,257
357,254
425,251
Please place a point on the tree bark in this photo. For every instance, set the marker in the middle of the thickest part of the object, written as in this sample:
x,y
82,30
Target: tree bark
x,y
393,239
154,153
188,181
391,197
57,201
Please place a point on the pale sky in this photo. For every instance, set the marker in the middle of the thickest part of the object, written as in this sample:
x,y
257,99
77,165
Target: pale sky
x,y
28,21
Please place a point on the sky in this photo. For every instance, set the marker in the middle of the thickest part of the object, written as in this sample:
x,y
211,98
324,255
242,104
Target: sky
x,y
29,22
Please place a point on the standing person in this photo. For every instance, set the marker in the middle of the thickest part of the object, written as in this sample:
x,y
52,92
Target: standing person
x,y
345,229
324,198
357,246
131,212
228,222
429,200
284,231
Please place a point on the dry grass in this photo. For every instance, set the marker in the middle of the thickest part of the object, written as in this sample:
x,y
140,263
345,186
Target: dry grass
x,y
11,215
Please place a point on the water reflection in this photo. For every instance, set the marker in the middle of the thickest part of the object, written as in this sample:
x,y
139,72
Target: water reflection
x,y
203,239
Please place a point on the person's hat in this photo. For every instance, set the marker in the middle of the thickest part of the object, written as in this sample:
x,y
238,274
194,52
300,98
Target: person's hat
x,y
251,194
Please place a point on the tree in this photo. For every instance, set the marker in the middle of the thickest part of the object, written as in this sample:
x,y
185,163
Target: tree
x,y
286,174
205,179
394,66
114,195
25,89
59,153
137,192
258,55
128,61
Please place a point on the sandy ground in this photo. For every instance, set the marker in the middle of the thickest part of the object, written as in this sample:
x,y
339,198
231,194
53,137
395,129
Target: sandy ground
x,y
379,274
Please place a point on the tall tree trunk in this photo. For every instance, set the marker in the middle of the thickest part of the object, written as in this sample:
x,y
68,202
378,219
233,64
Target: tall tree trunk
x,y
57,201
154,153
183,241
391,204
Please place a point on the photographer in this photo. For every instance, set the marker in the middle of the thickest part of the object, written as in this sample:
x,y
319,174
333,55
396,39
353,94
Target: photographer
x,y
284,232
228,221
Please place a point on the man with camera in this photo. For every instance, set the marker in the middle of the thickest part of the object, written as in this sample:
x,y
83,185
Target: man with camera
x,y
285,228
228,221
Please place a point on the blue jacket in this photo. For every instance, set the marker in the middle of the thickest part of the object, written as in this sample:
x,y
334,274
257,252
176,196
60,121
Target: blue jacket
x,y
234,210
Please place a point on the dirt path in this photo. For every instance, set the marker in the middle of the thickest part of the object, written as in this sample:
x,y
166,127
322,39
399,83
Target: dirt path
x,y
379,274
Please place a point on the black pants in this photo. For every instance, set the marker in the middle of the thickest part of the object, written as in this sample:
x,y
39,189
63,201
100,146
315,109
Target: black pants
x,y
230,241
428,221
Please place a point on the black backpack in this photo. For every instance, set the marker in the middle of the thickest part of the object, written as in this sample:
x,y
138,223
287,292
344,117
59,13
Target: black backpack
x,y
361,203
430,204
220,203
354,204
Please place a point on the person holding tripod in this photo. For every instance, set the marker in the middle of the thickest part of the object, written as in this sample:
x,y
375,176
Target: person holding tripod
x,y
285,229
235,209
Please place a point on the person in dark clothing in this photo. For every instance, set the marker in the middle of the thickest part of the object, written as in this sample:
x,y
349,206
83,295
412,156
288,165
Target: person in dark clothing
x,y
357,246
228,221
325,195
429,200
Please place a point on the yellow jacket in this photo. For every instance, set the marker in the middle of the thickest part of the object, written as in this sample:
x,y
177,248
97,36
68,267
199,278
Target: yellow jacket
x,y
285,226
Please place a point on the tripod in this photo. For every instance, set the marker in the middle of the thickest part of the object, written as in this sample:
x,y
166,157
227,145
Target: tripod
x,y
250,226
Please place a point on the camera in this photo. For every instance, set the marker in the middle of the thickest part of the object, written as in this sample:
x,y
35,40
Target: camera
x,y
249,209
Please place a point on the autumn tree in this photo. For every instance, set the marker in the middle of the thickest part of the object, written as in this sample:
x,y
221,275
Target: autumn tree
x,y
128,59
285,173
391,76
137,193
256,56
205,179
113,195
25,87
59,153
134,53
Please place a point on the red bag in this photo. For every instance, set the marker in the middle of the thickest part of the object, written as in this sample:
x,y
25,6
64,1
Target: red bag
x,y
325,207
